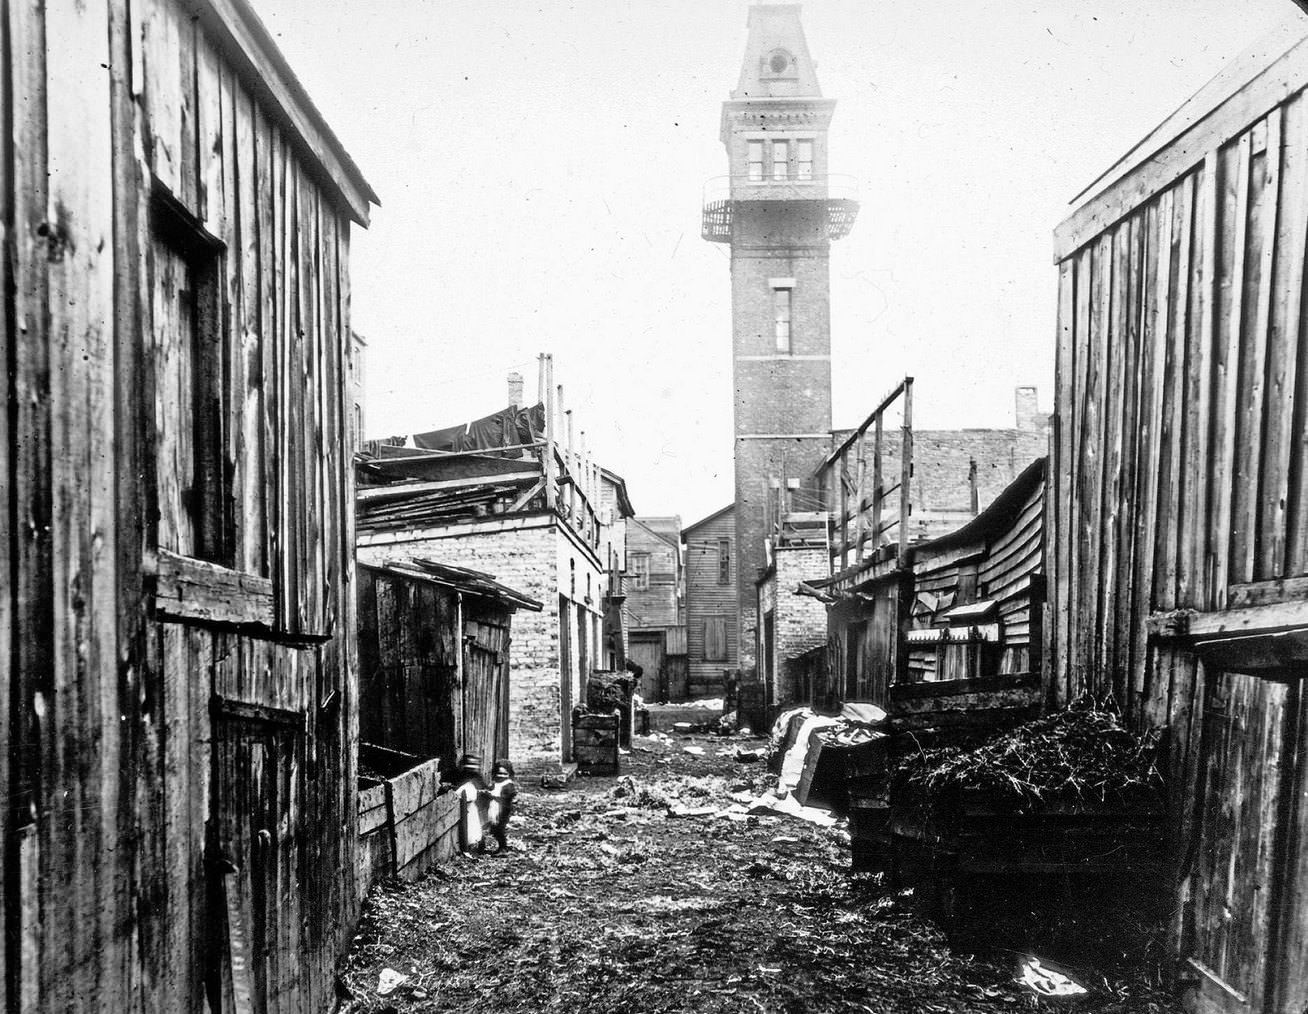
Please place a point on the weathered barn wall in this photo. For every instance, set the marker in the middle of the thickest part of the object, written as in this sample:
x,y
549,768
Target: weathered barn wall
x,y
184,738
1179,482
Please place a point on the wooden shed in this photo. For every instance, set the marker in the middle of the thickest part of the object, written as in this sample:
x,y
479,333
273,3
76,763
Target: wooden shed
x,y
434,644
177,677
1178,507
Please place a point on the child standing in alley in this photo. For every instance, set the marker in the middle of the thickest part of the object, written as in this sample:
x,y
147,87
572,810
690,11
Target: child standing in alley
x,y
500,799
472,803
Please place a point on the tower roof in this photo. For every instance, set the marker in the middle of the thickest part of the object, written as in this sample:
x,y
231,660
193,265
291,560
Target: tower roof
x,y
777,64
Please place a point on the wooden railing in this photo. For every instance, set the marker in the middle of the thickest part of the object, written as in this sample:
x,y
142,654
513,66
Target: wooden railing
x,y
865,505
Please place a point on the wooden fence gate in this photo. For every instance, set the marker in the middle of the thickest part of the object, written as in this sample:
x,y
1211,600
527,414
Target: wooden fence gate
x,y
1244,906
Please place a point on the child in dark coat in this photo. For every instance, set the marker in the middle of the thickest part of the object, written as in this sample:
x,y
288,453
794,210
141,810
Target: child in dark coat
x,y
500,797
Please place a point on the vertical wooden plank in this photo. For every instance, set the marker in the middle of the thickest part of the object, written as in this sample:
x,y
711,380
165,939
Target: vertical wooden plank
x,y
1226,376
1171,388
34,590
211,160
1058,488
268,481
288,325
1153,357
132,394
1142,435
1192,588
1283,352
162,88
247,333
9,882
1112,489
1092,479
1251,436
83,758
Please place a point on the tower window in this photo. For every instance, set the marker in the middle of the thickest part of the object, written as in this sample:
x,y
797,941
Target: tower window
x,y
780,160
781,315
804,160
756,161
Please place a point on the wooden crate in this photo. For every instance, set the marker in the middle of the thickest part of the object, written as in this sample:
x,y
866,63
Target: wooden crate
x,y
595,743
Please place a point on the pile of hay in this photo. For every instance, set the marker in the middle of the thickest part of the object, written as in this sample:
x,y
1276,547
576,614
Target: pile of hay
x,y
1080,756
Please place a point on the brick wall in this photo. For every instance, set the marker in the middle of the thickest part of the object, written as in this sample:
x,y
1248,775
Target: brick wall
x,y
801,621
536,561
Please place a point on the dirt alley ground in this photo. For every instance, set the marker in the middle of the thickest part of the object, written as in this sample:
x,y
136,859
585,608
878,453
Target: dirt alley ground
x,y
608,903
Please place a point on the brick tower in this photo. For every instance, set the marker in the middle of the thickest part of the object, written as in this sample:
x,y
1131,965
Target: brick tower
x,y
779,209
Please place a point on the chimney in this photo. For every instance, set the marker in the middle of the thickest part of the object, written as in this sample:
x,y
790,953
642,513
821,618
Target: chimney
x,y
515,389
1028,413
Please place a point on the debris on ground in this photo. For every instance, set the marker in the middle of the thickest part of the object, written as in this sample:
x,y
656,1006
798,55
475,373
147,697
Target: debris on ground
x,y
608,904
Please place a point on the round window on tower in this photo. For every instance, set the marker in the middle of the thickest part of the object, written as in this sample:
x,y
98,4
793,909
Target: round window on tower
x,y
779,61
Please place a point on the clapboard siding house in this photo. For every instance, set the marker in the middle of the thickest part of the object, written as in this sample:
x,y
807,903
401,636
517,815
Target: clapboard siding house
x,y
1178,507
654,606
712,606
177,678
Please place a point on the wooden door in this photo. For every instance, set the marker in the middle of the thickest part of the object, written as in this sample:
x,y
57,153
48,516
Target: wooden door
x,y
1236,877
259,805
647,652
484,721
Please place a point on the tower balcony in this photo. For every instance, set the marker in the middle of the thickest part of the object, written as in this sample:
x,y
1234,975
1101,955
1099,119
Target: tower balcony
x,y
722,193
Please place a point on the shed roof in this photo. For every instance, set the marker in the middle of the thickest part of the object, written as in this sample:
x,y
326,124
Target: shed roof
x,y
460,579
1001,512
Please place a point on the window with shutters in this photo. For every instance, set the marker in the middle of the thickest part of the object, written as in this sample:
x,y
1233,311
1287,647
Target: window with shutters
x,y
715,639
724,561
640,570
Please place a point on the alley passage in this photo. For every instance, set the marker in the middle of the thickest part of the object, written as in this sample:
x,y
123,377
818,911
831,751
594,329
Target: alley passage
x,y
611,904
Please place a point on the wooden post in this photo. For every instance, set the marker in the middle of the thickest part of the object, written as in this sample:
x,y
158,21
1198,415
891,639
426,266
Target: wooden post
x,y
569,460
842,529
906,469
878,497
860,504
975,494
551,432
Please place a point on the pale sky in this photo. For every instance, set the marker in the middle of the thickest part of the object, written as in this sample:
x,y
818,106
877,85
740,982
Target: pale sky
x,y
540,167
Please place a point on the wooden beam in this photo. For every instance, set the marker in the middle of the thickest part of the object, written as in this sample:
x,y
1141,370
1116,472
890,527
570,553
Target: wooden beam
x,y
369,494
187,589
1264,619
1262,593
